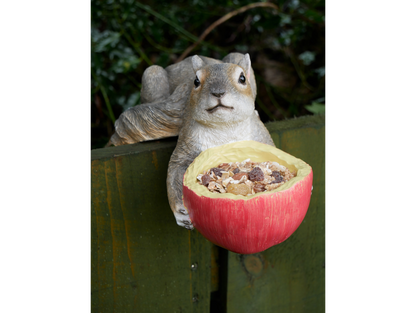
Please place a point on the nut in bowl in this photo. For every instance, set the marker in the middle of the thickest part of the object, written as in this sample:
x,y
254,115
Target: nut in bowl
x,y
254,222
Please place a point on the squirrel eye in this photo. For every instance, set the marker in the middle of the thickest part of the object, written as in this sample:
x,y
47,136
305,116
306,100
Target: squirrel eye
x,y
242,79
197,82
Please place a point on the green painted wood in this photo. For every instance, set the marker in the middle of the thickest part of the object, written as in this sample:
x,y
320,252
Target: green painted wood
x,y
289,277
140,259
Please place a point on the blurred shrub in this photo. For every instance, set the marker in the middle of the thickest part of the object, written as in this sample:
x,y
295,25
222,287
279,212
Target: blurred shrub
x,y
287,49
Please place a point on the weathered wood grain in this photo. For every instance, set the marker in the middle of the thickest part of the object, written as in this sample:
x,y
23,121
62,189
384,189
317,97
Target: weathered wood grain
x,y
141,261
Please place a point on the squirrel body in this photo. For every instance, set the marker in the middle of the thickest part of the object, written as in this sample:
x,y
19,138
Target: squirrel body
x,y
205,102
220,110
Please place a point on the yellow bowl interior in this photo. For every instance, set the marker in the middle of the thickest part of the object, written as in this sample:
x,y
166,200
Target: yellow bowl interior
x,y
237,152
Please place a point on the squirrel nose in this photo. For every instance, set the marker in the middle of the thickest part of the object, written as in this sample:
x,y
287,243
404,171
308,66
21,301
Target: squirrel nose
x,y
218,94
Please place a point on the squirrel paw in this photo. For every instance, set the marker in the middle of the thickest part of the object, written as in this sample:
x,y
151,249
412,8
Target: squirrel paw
x,y
182,219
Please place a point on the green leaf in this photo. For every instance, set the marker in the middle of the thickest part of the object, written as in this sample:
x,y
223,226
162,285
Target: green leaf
x,y
319,100
314,16
320,71
307,57
316,108
104,40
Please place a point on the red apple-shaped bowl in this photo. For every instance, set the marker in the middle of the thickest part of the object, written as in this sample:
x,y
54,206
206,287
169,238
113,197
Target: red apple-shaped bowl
x,y
253,223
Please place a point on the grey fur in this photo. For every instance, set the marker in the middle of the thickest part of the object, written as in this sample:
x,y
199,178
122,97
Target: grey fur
x,y
188,112
155,84
236,58
197,63
200,130
159,119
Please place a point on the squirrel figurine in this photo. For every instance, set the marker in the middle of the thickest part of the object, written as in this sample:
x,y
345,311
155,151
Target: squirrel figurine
x,y
206,102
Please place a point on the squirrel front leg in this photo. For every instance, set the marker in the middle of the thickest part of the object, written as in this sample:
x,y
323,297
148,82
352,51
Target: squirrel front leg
x,y
174,181
180,160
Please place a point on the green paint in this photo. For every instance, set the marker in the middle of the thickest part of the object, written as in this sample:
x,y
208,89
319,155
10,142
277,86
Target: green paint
x,y
141,261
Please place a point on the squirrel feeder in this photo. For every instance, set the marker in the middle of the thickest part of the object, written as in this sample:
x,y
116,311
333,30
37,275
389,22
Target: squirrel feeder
x,y
254,223
208,103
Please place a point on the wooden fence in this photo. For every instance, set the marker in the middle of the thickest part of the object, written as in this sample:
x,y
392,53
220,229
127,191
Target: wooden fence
x,y
141,261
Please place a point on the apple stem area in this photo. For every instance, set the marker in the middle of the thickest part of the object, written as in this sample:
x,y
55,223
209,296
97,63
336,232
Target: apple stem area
x,y
141,259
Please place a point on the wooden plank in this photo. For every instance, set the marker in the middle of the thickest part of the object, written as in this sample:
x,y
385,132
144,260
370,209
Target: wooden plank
x,y
289,277
141,260
137,148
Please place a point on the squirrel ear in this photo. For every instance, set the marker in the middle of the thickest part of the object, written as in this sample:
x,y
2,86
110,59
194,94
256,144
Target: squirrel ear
x,y
245,63
197,63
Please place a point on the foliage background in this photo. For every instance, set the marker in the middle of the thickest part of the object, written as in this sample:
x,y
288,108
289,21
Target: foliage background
x,y
286,46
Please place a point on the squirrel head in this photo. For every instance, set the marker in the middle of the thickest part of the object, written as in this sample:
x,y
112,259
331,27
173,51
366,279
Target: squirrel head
x,y
221,92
